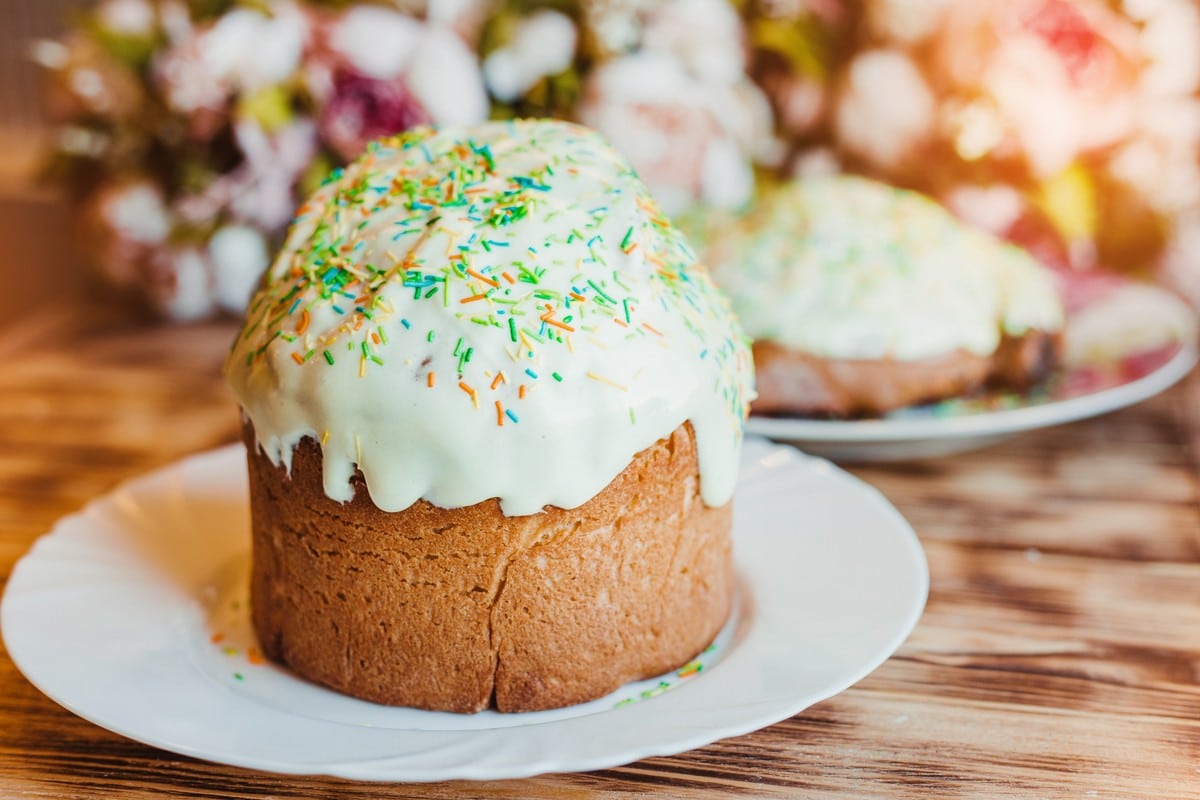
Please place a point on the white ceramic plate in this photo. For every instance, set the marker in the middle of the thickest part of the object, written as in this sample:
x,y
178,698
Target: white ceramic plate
x,y
114,614
958,425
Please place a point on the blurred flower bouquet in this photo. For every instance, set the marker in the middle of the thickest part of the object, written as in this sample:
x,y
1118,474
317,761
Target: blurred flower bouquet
x,y
189,129
1070,126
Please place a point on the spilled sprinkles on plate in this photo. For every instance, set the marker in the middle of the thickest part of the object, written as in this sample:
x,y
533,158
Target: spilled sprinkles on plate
x,y
515,288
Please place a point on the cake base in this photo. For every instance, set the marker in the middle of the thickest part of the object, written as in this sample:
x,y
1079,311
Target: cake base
x,y
793,382
464,609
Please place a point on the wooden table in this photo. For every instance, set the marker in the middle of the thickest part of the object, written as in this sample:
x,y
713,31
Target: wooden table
x,y
1059,655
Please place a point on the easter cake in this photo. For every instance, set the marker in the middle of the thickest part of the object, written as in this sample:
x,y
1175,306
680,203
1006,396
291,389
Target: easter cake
x,y
862,298
493,411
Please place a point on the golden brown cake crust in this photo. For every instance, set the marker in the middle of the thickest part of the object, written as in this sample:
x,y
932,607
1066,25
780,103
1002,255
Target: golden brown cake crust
x,y
793,382
459,609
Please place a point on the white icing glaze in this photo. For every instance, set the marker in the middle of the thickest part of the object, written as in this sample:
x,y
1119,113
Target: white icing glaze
x,y
412,263
843,267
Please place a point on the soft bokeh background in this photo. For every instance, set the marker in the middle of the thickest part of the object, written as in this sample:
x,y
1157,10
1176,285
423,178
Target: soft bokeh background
x,y
172,138
39,258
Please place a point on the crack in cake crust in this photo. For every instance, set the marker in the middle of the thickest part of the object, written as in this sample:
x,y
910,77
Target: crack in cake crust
x,y
462,609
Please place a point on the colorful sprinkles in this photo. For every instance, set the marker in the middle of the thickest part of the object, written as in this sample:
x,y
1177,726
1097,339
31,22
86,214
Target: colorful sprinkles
x,y
469,225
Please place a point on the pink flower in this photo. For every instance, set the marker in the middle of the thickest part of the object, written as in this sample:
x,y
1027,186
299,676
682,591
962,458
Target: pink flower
x,y
885,112
261,188
542,44
689,140
123,223
1179,268
238,257
426,61
245,50
179,283
363,108
680,106
799,102
1047,80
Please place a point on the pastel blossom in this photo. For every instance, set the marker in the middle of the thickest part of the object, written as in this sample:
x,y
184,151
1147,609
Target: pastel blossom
x,y
905,22
689,141
1159,157
1178,267
994,208
886,109
127,17
1057,75
542,45
261,188
705,36
435,65
362,108
614,27
123,223
1169,41
179,283
238,257
242,52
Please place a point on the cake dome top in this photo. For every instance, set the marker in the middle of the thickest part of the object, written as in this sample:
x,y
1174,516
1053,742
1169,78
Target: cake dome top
x,y
849,268
498,311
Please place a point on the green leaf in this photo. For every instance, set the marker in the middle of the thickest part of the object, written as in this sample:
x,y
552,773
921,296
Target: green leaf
x,y
798,41
270,107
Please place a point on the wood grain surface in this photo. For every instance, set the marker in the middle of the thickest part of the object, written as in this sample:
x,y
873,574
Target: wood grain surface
x,y
1059,656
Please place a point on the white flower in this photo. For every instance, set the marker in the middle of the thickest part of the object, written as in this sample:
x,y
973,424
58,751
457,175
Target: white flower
x,y
615,26
905,21
465,17
885,110
245,50
800,101
688,140
1159,160
49,53
186,81
993,208
128,17
137,213
260,189
253,50
816,162
543,44
121,224
239,257
180,285
726,180
376,41
1180,267
440,71
446,80
1170,41
176,20
704,35
79,141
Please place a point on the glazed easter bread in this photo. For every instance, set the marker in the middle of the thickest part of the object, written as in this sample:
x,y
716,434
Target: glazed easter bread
x,y
493,413
863,298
